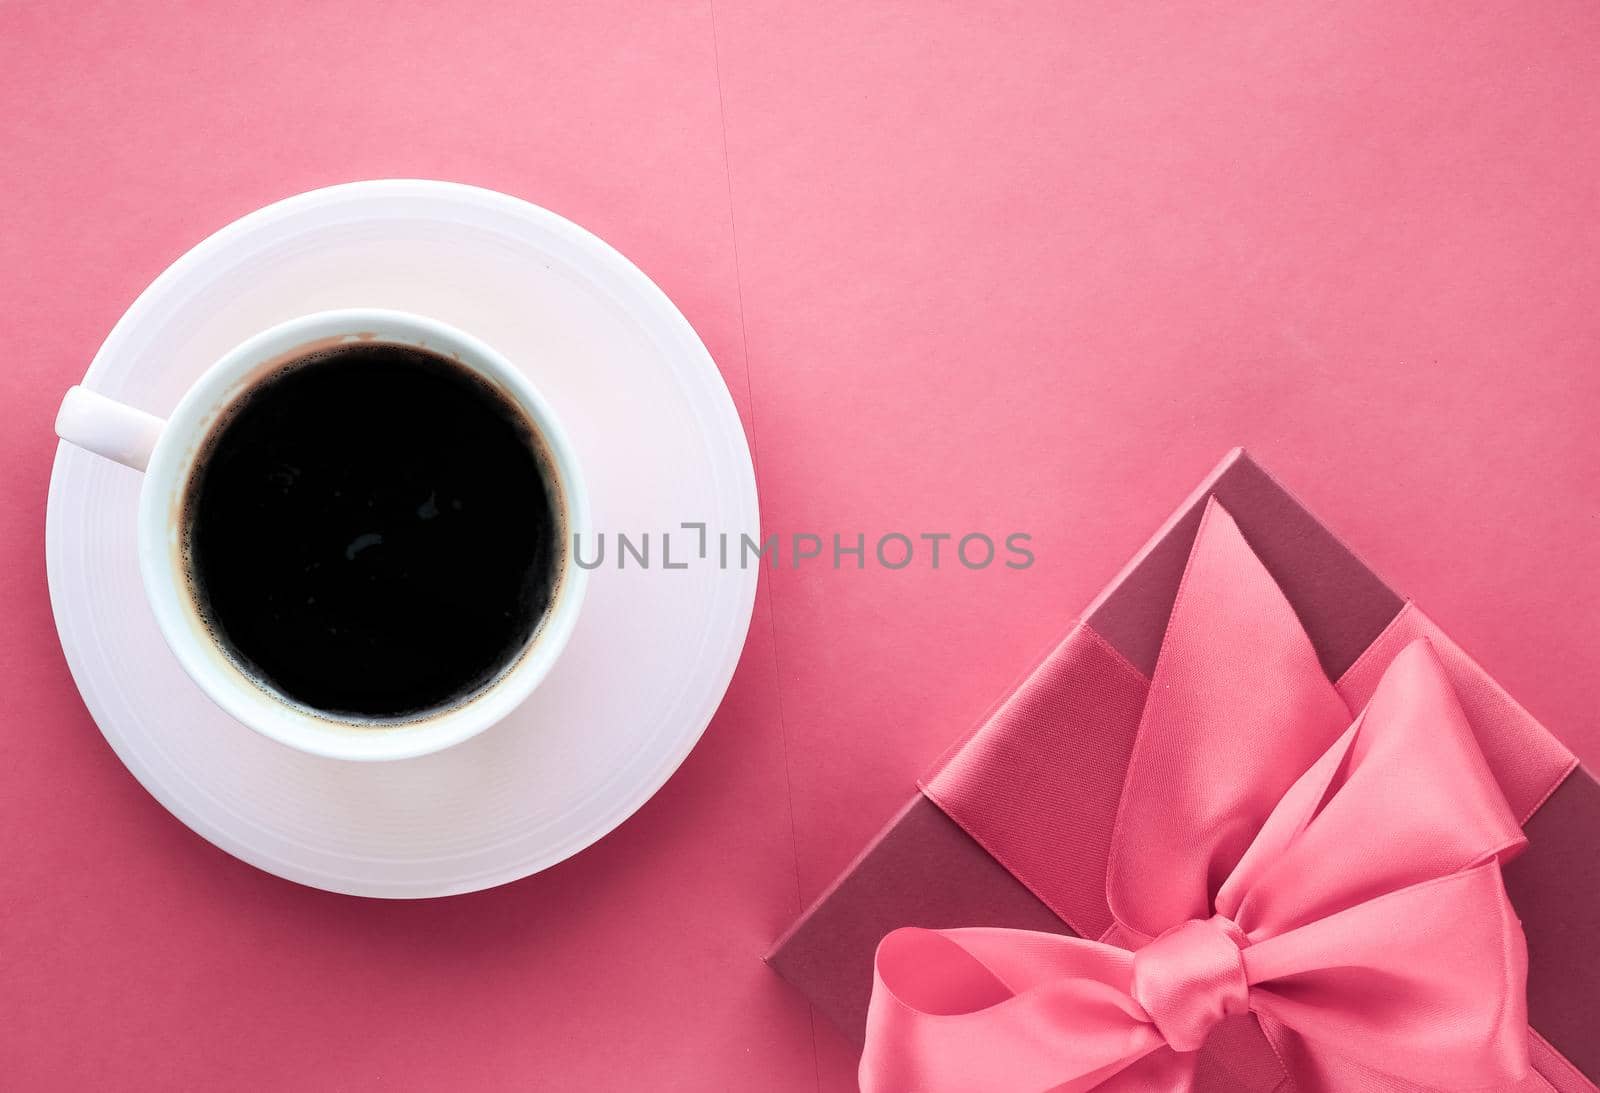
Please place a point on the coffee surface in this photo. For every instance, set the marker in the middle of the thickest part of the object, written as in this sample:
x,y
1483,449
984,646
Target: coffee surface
x,y
371,532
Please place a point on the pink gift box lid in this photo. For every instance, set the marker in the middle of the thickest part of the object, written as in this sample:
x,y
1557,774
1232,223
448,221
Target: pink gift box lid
x,y
925,870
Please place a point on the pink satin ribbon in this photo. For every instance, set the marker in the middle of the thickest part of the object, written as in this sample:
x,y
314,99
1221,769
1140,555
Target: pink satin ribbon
x,y
1339,883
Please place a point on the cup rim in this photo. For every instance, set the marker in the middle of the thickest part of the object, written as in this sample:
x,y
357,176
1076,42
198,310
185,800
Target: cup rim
x,y
160,526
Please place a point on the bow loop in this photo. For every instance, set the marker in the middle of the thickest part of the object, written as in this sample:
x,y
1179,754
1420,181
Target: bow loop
x,y
1402,797
1425,984
1238,709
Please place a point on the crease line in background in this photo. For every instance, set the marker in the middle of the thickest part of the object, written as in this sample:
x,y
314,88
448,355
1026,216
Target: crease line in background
x,y
755,457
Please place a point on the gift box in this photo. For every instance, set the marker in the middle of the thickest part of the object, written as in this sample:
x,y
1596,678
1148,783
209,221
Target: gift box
x,y
1055,755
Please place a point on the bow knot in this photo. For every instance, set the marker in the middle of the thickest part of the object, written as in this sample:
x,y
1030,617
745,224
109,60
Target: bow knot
x,y
1192,977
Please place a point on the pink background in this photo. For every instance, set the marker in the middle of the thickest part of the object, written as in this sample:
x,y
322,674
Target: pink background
x,y
999,268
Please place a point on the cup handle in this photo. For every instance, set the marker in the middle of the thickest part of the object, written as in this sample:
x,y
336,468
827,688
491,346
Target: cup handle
x,y
108,428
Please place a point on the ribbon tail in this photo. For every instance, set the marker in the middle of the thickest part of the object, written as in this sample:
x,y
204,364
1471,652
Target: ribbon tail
x,y
1008,1011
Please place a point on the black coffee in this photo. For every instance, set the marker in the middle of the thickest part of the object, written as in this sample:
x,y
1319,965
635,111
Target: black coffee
x,y
373,531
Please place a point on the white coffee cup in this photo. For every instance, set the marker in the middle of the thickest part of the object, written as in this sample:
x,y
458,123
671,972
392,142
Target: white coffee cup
x,y
170,452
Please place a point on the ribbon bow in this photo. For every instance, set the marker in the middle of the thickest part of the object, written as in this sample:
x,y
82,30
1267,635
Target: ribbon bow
x,y
1338,883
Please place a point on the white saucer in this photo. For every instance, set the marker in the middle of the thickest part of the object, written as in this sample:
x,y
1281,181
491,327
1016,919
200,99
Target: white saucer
x,y
660,443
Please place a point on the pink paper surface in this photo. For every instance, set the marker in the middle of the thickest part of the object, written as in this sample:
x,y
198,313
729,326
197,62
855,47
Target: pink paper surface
x,y
965,268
